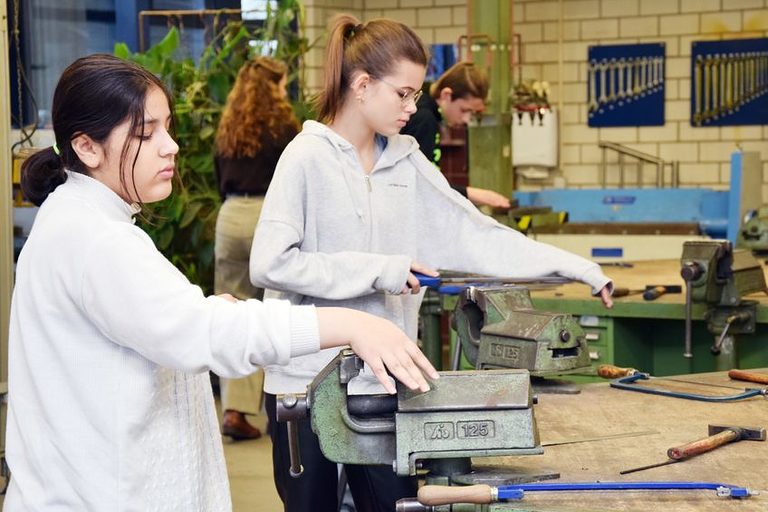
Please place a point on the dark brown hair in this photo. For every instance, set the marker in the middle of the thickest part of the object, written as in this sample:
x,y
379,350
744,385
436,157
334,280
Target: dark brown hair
x,y
373,47
255,110
94,95
464,79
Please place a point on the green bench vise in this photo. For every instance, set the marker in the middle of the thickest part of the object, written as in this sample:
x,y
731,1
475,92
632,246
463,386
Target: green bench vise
x,y
465,414
753,234
718,277
498,327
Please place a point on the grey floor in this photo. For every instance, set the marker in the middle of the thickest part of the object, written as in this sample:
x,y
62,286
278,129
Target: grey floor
x,y
250,472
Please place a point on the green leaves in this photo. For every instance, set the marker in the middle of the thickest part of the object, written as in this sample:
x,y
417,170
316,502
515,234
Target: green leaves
x,y
183,225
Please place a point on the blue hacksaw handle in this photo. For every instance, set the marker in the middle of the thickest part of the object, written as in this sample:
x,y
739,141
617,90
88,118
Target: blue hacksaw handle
x,y
425,280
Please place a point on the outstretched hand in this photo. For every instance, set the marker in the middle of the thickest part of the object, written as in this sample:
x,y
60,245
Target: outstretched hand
x,y
378,342
605,296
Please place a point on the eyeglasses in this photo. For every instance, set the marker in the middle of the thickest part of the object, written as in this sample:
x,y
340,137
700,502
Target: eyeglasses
x,y
405,96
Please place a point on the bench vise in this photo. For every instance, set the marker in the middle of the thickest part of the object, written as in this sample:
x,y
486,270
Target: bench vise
x,y
465,414
498,327
718,277
753,235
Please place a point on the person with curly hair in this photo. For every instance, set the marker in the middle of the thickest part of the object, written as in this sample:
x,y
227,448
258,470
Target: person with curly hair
x,y
256,125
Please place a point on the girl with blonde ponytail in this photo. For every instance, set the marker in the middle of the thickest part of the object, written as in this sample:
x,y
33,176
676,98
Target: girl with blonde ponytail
x,y
353,211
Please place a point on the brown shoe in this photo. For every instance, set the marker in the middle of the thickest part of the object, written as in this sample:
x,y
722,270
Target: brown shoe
x,y
237,427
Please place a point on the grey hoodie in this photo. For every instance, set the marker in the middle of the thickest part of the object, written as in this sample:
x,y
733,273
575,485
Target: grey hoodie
x,y
330,235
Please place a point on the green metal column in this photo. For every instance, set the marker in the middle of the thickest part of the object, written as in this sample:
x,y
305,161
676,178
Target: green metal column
x,y
6,219
490,142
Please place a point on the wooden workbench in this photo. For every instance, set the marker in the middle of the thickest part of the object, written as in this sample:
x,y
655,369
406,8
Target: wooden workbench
x,y
640,274
601,410
649,334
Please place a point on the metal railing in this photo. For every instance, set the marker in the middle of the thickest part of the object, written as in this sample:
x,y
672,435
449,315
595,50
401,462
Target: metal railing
x,y
642,158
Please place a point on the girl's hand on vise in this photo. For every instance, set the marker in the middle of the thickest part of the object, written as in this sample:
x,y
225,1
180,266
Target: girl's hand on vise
x,y
227,296
378,342
605,296
413,286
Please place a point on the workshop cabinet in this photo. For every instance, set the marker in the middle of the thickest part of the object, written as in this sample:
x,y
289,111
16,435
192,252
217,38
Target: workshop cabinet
x,y
656,346
598,332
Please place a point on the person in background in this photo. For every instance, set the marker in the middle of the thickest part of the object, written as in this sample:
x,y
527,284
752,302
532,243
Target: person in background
x,y
110,402
457,96
256,125
353,211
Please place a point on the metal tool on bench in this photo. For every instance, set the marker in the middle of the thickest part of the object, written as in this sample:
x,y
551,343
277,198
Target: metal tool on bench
x,y
498,327
432,498
718,277
719,435
452,283
654,291
464,415
650,292
627,378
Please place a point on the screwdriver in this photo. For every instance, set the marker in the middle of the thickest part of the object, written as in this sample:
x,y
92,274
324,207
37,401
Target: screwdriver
x,y
623,292
654,292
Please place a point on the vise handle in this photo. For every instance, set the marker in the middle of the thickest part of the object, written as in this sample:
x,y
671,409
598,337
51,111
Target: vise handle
x,y
760,378
292,408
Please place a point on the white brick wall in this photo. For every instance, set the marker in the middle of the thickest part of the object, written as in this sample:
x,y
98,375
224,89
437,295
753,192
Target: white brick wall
x,y
704,153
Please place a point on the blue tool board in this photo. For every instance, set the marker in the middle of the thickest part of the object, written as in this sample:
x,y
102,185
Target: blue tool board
x,y
625,85
729,82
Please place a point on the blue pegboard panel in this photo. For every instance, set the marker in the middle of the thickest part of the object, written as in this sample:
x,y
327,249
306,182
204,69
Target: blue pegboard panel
x,y
729,82
625,85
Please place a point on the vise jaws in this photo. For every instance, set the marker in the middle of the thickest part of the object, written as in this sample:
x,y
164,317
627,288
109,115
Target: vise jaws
x,y
718,277
465,414
753,234
498,327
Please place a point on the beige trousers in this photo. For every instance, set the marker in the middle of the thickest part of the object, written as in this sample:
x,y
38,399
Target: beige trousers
x,y
234,234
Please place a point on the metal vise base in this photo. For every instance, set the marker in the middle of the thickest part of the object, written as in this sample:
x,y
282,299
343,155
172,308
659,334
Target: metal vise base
x,y
465,414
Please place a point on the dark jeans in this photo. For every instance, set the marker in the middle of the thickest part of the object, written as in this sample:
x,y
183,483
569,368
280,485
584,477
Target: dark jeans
x,y
374,488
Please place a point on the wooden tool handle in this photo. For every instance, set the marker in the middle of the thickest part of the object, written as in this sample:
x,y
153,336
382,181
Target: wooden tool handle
x,y
620,292
609,371
760,378
654,293
433,495
703,445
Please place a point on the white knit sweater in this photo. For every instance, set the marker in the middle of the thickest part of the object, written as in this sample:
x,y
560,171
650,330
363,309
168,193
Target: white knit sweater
x,y
110,404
